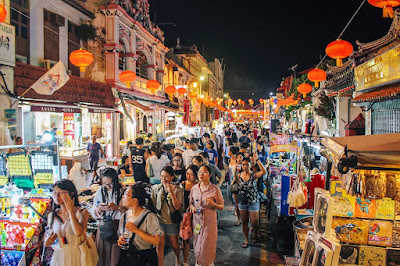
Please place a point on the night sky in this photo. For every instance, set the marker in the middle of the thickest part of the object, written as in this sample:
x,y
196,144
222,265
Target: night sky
x,y
260,40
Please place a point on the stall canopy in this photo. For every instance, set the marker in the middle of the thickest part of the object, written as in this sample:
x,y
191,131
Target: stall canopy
x,y
377,151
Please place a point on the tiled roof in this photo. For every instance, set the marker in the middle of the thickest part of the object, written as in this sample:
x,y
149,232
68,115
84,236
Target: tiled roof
x,y
341,91
76,91
386,93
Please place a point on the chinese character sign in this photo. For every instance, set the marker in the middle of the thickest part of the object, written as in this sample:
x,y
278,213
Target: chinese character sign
x,y
69,129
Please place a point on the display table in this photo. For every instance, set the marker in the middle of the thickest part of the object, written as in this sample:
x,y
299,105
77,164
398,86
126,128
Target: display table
x,y
69,155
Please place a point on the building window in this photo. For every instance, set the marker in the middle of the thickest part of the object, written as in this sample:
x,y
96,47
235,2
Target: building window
x,y
51,25
141,66
20,20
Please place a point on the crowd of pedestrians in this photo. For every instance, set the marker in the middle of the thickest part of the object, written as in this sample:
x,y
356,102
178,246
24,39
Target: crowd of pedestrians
x,y
135,222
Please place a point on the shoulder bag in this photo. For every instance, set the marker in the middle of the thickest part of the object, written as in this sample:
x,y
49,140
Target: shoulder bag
x,y
88,250
133,256
186,227
176,216
149,169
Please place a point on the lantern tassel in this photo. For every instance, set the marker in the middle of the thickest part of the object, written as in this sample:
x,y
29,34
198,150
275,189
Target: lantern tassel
x,y
388,12
82,69
339,62
304,95
316,84
128,84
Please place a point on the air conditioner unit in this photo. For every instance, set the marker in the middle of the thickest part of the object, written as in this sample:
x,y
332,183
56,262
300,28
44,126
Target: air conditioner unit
x,y
47,63
21,59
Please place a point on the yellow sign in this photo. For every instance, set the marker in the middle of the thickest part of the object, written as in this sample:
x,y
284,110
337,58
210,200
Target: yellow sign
x,y
283,148
380,70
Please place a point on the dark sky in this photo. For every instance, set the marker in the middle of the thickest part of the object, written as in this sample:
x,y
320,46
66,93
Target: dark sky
x,y
260,40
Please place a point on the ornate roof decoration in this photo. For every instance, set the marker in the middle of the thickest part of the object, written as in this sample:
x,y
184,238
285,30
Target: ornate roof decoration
x,y
368,49
139,10
387,92
339,78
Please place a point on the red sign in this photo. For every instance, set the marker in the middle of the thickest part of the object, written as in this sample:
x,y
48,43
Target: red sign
x,y
69,129
186,109
54,109
216,114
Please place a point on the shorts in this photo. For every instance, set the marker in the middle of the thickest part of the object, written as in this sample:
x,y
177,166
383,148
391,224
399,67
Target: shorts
x,y
255,207
170,229
93,165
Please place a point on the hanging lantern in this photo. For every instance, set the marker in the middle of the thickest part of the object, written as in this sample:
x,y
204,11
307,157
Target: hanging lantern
x,y
316,75
304,88
170,89
261,101
152,85
338,50
234,102
127,77
192,94
200,100
3,13
81,58
182,90
386,5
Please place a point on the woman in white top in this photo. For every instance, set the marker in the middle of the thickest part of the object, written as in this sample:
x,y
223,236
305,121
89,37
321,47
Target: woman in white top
x,y
67,225
157,162
106,209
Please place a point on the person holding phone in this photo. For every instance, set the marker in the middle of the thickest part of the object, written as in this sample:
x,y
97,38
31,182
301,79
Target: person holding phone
x,y
107,209
139,228
67,225
205,199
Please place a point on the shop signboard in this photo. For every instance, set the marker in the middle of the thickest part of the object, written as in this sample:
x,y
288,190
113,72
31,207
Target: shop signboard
x,y
53,109
216,114
7,44
282,143
186,109
69,129
381,70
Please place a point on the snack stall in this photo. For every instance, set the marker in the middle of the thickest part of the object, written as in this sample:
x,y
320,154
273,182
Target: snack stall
x,y
359,216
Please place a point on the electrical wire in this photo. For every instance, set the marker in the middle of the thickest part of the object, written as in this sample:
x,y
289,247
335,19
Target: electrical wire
x,y
345,28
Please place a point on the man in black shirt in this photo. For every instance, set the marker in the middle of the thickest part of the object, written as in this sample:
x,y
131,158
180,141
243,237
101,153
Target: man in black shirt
x,y
138,157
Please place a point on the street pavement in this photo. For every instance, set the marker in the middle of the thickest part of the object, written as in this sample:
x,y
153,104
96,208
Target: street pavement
x,y
230,239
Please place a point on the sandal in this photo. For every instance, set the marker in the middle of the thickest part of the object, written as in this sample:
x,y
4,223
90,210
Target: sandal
x,y
245,245
238,223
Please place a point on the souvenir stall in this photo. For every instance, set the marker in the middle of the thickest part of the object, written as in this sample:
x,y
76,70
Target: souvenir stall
x,y
356,221
26,174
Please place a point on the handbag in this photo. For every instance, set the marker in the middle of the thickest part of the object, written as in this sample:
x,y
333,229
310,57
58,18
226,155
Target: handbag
x,y
149,169
235,187
186,227
88,250
133,256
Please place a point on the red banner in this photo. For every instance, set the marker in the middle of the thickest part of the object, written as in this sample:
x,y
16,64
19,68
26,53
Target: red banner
x,y
186,109
216,114
69,129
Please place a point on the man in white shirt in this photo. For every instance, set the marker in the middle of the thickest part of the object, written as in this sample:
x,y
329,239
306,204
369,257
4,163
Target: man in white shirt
x,y
191,152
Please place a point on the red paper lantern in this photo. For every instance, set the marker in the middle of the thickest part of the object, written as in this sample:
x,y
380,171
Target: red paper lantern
x,y
182,90
152,85
338,50
316,75
81,58
304,88
3,13
127,77
200,100
386,5
170,89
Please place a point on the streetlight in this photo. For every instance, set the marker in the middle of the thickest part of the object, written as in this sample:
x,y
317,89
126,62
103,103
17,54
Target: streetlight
x,y
202,78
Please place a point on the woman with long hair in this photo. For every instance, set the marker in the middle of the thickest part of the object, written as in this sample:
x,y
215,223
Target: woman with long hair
x,y
248,199
179,169
191,180
67,224
156,162
139,228
168,199
234,139
205,200
107,209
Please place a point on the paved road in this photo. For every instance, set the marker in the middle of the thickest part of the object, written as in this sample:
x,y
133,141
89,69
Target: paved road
x,y
230,238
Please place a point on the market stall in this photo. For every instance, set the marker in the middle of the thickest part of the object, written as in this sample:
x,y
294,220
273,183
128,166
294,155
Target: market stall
x,y
357,221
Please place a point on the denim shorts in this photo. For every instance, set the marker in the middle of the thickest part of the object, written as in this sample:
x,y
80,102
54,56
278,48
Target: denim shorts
x,y
170,229
255,207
